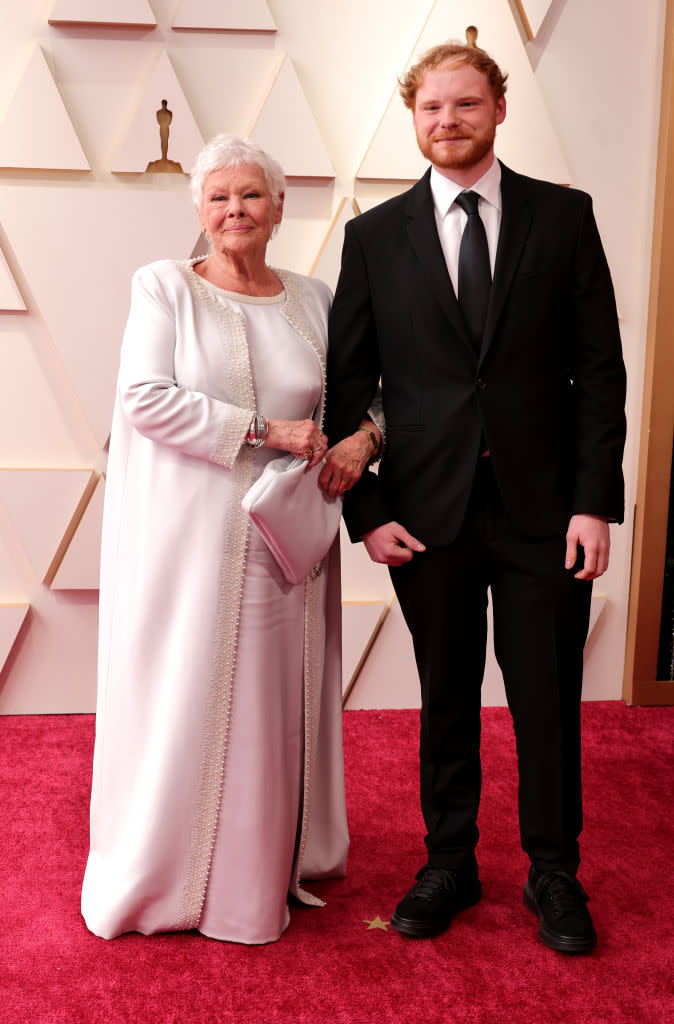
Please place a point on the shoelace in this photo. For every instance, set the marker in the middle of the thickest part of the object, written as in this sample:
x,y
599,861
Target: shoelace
x,y
431,883
565,893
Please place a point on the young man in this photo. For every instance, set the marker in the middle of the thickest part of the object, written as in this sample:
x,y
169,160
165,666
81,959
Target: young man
x,y
483,301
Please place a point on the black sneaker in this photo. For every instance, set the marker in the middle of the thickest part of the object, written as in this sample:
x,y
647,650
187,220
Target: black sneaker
x,y
429,906
560,901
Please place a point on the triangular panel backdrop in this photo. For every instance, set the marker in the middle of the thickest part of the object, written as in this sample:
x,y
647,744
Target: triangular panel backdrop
x,y
532,13
74,241
142,144
128,13
10,296
286,127
36,130
393,152
41,504
227,15
156,223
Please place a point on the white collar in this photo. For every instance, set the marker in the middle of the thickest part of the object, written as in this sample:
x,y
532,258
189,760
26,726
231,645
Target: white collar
x,y
445,191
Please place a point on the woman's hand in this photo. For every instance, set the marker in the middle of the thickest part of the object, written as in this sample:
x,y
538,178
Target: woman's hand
x,y
301,437
345,463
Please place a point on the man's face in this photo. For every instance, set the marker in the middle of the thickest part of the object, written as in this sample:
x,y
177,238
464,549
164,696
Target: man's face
x,y
455,117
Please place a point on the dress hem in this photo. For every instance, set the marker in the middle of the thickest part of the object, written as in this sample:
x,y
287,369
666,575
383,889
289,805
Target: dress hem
x,y
246,942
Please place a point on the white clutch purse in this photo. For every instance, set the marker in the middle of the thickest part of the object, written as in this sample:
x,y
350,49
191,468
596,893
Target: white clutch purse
x,y
295,516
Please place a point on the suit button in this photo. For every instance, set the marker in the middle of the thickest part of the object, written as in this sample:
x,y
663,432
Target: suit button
x,y
480,383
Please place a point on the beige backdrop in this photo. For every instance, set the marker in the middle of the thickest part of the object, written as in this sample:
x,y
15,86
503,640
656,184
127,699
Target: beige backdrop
x,y
313,83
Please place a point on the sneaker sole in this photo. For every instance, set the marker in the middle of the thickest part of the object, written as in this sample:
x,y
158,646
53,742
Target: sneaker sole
x,y
560,943
421,930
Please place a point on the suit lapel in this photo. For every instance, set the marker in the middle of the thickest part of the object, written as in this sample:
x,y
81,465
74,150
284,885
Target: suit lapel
x,y
423,235
422,232
515,225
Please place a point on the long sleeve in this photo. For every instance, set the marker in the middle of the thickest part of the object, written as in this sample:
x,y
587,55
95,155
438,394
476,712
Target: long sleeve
x,y
376,414
155,404
598,374
353,379
353,363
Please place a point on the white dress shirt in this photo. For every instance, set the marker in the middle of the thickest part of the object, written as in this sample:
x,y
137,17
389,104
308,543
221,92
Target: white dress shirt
x,y
451,219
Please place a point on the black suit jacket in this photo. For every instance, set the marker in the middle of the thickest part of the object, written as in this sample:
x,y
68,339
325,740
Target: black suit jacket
x,y
547,389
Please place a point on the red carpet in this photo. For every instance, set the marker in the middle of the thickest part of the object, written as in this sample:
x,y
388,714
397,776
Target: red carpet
x,y
330,966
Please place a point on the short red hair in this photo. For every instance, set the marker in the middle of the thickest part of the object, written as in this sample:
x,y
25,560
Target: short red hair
x,y
452,52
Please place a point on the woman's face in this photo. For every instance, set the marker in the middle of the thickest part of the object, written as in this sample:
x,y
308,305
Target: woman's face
x,y
238,211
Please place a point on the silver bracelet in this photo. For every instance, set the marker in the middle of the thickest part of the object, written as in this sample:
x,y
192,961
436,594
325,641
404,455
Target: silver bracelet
x,y
258,431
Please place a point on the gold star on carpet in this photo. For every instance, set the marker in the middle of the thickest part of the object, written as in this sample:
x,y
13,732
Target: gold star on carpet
x,y
376,923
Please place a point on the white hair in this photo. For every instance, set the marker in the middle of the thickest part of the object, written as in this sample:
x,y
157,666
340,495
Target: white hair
x,y
226,150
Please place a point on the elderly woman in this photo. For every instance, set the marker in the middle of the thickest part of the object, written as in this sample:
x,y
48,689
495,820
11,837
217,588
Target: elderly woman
x,y
218,780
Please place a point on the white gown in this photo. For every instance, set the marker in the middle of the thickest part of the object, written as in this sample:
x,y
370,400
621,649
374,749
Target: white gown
x,y
246,898
218,776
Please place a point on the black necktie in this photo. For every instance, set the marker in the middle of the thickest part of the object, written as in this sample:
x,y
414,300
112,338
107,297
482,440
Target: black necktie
x,y
474,269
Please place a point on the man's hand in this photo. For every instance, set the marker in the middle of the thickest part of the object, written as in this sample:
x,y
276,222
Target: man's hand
x,y
391,544
593,533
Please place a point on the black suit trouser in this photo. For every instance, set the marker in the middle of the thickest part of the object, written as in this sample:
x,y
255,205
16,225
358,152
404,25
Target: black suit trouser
x,y
541,617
